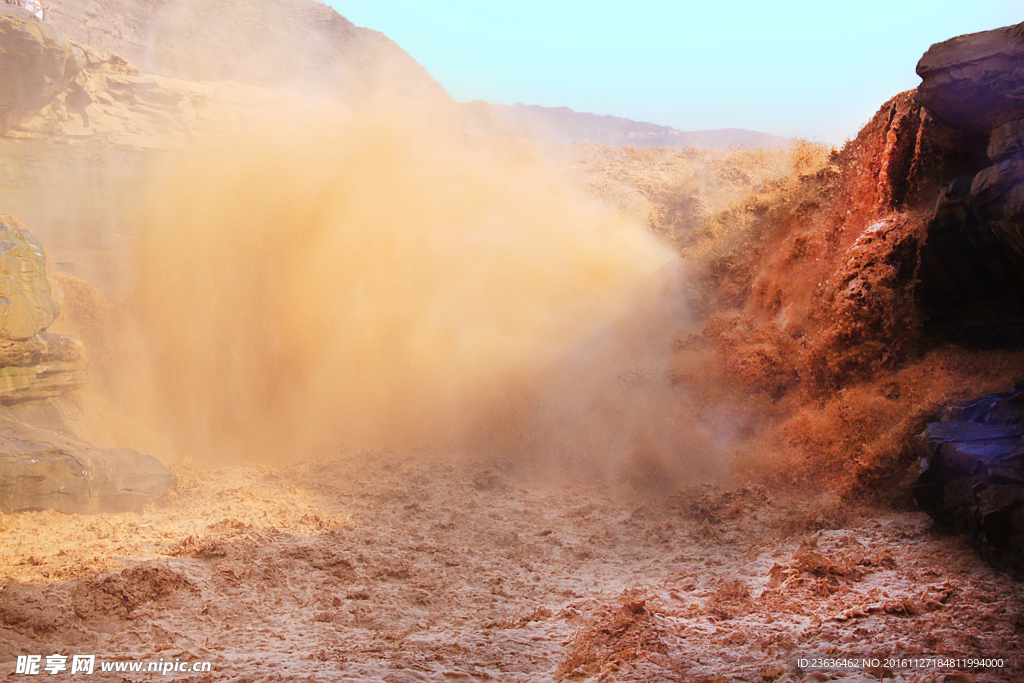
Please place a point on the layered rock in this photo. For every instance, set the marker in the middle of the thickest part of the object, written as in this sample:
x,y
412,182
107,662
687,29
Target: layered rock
x,y
33,364
37,65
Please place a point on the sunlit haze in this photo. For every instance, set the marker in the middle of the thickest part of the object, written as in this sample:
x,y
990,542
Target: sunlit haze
x,y
808,69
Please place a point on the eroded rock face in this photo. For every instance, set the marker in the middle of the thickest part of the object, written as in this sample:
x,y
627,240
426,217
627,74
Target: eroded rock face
x,y
37,65
975,81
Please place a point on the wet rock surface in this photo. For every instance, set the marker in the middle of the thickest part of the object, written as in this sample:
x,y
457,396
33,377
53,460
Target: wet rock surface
x,y
972,475
43,469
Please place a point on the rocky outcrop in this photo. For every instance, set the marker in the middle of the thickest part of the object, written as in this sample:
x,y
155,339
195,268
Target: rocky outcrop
x,y
972,262
972,475
42,469
33,364
26,308
37,65
975,81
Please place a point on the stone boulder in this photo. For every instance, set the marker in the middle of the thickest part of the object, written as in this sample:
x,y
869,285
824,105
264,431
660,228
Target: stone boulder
x,y
972,475
42,469
975,81
37,65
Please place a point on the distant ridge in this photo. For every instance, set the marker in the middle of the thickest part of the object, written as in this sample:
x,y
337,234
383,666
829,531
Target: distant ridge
x,y
563,126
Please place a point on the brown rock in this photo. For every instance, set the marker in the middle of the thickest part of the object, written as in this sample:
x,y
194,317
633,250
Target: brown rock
x,y
972,476
37,66
975,81
1006,140
994,181
26,308
42,469
45,366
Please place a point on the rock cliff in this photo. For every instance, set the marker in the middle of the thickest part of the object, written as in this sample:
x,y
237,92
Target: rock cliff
x,y
37,65
297,44
972,271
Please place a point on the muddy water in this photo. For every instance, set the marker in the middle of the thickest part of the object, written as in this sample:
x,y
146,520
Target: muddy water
x,y
420,568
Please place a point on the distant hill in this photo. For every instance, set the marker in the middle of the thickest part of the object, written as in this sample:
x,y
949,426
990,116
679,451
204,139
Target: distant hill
x,y
563,126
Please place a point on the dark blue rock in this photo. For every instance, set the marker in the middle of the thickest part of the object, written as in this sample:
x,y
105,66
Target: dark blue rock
x,y
972,475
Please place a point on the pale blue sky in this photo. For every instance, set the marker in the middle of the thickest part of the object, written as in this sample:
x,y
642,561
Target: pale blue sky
x,y
815,69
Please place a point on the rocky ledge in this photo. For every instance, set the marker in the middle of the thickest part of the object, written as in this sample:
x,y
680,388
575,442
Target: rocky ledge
x,y
43,469
47,468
